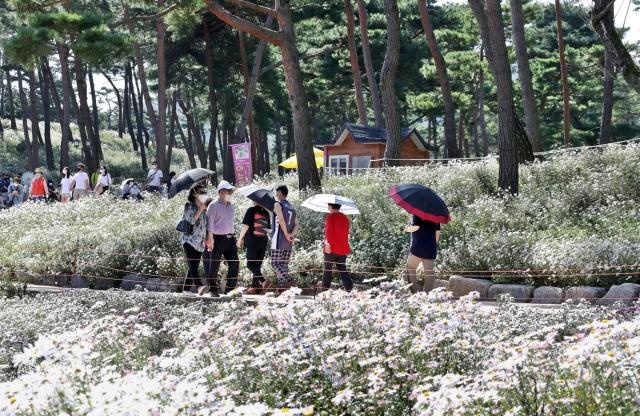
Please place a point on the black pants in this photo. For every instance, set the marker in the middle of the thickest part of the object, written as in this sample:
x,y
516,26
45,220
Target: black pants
x,y
339,261
193,262
256,250
223,246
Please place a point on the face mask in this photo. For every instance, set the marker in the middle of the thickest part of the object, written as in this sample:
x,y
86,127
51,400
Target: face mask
x,y
228,198
203,198
102,171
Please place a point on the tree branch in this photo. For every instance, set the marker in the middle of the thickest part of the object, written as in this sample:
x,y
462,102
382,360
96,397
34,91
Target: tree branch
x,y
322,51
256,7
268,35
145,18
596,19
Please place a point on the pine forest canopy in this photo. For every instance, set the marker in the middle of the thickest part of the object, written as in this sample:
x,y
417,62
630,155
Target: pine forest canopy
x,y
201,75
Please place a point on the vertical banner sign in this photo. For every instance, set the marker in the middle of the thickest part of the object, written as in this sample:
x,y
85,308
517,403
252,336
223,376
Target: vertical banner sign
x,y
242,163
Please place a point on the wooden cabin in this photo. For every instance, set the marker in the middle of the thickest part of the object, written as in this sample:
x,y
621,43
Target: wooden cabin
x,y
359,147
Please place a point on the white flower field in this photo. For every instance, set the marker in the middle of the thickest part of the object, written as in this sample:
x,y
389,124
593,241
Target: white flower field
x,y
379,352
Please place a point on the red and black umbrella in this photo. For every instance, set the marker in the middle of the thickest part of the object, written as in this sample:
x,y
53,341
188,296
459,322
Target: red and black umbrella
x,y
421,201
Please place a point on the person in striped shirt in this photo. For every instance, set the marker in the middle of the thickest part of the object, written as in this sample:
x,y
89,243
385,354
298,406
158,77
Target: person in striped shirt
x,y
285,228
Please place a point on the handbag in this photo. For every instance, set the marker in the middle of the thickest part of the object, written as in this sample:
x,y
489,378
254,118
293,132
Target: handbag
x,y
184,227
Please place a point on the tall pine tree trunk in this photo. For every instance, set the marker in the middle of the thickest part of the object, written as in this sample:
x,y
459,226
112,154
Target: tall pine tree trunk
x,y
194,132
140,109
566,116
355,66
46,112
24,111
11,108
33,114
508,166
63,54
146,96
213,100
241,131
481,115
126,109
607,98
120,109
278,131
187,143
387,84
84,115
443,79
161,128
532,120
53,90
172,130
308,175
94,113
139,119
368,65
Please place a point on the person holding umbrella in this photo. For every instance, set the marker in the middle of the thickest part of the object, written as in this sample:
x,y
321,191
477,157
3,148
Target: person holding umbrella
x,y
285,227
424,249
255,236
193,242
336,247
429,211
336,235
221,241
254,233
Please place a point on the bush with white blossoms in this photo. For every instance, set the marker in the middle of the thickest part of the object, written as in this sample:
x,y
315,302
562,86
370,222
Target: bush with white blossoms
x,y
575,221
382,352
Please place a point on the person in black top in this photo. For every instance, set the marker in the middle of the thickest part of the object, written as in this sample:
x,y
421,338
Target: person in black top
x,y
424,249
254,234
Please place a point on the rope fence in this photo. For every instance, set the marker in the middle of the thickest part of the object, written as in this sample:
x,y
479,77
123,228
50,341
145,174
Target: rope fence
x,y
590,270
316,289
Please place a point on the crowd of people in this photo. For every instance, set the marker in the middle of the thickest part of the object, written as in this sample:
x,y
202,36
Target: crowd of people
x,y
75,186
211,239
211,236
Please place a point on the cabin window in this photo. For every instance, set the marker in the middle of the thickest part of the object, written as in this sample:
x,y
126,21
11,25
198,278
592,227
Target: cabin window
x,y
361,163
339,165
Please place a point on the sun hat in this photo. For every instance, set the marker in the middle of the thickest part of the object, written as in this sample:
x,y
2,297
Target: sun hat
x,y
224,185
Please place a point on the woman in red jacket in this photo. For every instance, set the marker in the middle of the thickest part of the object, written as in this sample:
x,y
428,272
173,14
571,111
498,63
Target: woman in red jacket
x,y
336,247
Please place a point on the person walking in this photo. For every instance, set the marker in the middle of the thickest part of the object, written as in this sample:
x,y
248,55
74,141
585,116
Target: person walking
x,y
285,228
154,179
38,190
193,243
16,192
221,241
336,247
104,182
424,249
80,183
66,184
254,235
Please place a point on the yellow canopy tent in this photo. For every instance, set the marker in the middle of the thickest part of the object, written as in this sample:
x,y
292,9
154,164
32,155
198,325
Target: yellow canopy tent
x,y
292,162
